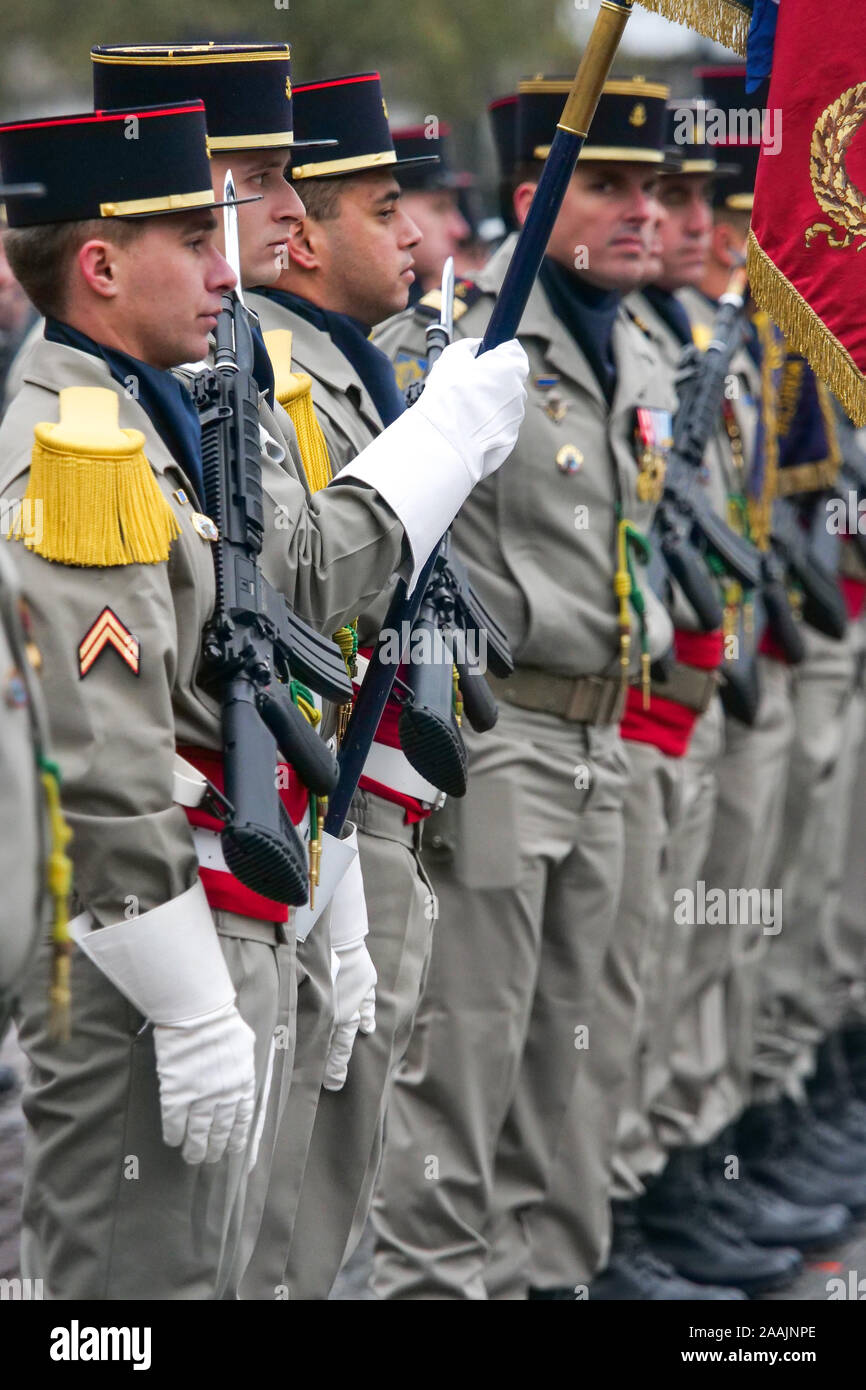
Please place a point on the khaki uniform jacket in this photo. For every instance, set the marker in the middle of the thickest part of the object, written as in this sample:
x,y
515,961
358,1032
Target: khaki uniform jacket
x,y
115,731
540,543
344,407
23,825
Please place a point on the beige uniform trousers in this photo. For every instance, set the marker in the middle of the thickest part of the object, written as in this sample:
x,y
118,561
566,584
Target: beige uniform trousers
x,y
265,1276
673,984
110,1211
346,1146
330,1147
794,986
712,1046
527,869
844,923
570,1233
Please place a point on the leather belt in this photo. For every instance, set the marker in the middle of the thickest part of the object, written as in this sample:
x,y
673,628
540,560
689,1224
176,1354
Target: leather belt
x,y
581,700
692,686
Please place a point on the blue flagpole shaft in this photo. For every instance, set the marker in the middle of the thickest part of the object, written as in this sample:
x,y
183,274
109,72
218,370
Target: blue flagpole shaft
x,y
507,313
567,143
532,243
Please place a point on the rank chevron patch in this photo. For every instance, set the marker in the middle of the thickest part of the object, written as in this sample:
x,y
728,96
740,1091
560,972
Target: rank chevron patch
x,y
107,631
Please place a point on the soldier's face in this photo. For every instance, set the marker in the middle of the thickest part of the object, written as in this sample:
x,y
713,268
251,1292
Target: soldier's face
x,y
443,227
601,230
168,285
264,226
653,241
686,232
363,258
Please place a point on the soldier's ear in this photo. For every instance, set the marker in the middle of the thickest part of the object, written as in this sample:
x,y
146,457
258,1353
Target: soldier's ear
x,y
523,195
97,262
304,244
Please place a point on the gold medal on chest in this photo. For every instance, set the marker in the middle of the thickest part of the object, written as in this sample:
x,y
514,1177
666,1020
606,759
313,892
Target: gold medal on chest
x,y
206,528
653,437
569,459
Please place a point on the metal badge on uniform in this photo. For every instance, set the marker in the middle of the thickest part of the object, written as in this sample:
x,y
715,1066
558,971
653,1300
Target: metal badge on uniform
x,y
569,459
555,407
408,368
653,438
16,691
180,497
108,631
206,528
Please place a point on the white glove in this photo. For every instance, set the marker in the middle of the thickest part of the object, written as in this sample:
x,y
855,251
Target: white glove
x,y
352,970
207,1084
354,977
169,964
461,430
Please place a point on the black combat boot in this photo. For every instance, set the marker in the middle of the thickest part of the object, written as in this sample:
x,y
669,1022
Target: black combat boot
x,y
853,1041
771,1151
831,1091
684,1228
634,1272
763,1215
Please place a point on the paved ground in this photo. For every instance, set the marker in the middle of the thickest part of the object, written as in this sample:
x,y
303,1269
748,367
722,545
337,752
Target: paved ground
x,y
812,1285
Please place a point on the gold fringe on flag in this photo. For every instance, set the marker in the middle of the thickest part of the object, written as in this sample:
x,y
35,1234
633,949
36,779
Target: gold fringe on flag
x,y
805,332
722,20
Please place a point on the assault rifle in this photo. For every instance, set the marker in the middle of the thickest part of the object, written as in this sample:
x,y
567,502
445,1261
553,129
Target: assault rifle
x,y
254,645
687,528
452,624
504,321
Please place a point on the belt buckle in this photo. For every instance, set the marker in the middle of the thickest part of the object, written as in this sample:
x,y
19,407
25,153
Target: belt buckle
x,y
213,803
575,710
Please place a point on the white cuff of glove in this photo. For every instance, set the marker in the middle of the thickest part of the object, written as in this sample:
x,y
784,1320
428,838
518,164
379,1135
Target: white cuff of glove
x,y
349,923
170,965
167,962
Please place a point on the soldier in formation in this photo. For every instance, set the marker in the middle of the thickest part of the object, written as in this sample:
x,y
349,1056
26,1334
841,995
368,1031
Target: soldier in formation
x,y
546,1078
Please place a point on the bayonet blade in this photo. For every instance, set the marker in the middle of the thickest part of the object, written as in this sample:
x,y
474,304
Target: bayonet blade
x,y
446,310
230,230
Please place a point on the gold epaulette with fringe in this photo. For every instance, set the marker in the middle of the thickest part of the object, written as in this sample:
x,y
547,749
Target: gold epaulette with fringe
x,y
99,501
294,391
466,293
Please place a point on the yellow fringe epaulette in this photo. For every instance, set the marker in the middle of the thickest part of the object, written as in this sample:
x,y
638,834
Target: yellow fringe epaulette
x,y
294,391
93,490
722,20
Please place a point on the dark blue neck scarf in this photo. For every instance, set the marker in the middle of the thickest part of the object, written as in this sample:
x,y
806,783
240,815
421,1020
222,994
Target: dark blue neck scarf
x,y
589,314
350,337
161,396
670,311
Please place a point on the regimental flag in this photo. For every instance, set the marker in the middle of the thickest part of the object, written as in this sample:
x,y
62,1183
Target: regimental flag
x,y
809,217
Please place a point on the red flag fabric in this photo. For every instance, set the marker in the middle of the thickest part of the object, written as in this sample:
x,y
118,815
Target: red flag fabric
x,y
809,216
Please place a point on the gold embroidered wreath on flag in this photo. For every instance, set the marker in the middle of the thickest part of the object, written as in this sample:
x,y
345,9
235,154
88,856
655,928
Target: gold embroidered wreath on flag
x,y
834,191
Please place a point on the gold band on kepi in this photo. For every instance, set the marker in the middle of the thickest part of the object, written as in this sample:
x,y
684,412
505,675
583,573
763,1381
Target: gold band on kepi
x,y
352,165
628,125
351,110
90,170
246,87
171,202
